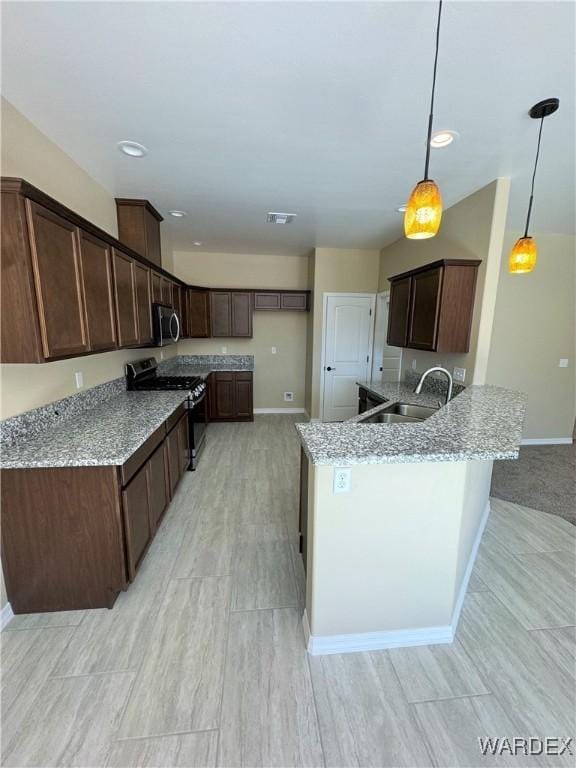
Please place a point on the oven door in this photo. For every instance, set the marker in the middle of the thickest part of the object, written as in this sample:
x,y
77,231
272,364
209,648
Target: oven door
x,y
198,423
166,325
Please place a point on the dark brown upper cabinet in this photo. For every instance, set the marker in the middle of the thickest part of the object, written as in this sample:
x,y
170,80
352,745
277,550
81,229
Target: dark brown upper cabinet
x,y
231,313
125,298
156,287
166,289
58,279
139,228
398,312
431,307
294,301
143,303
98,291
198,314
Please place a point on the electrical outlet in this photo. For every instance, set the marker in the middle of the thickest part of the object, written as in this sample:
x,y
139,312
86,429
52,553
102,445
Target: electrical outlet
x,y
274,350
224,350
459,374
342,479
289,397
79,379
413,365
563,362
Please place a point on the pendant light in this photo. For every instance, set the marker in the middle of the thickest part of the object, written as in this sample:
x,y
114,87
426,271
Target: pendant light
x,y
424,209
523,255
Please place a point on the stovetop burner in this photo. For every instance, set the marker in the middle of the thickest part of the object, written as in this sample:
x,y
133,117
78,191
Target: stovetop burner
x,y
141,375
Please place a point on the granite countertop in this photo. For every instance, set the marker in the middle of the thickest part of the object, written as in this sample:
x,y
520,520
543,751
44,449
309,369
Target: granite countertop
x,y
107,434
482,423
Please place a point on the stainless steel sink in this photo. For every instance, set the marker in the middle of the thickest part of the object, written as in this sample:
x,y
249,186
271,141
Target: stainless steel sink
x,y
400,413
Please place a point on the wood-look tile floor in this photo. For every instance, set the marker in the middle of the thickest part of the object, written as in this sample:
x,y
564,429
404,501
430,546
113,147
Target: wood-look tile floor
x,y
201,663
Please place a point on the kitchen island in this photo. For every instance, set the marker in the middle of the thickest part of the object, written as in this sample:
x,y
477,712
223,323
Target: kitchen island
x,y
390,548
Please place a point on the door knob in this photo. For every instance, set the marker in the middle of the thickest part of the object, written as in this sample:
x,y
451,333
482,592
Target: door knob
x,y
328,368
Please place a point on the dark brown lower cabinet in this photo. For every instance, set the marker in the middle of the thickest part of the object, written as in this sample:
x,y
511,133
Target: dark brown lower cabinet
x,y
74,537
136,506
158,486
230,395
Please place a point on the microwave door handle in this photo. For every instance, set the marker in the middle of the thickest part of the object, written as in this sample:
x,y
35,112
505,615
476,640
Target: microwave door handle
x,y
177,336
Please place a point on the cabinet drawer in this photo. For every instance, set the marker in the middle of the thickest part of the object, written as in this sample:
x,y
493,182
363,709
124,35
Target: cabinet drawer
x,y
130,467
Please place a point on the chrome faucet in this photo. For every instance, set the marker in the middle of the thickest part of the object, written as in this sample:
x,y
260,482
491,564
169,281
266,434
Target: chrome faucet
x,y
439,369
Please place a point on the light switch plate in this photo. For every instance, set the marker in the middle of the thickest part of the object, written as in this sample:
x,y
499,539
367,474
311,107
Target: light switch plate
x,y
274,350
342,479
459,374
563,362
413,365
224,350
79,379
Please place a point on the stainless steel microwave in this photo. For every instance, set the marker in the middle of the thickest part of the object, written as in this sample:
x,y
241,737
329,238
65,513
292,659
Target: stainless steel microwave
x,y
166,325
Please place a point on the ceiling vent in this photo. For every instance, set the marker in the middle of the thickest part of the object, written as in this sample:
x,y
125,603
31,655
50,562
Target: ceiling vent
x,y
280,218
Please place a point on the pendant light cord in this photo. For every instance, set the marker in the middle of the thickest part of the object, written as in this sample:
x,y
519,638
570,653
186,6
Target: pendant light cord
x,y
427,163
534,177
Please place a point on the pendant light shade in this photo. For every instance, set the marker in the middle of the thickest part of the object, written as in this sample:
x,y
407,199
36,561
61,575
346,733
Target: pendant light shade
x,y
423,211
523,256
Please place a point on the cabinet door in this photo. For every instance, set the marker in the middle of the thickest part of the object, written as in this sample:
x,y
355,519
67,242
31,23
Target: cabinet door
x,y
424,309
184,323
243,395
241,314
143,303
153,250
297,302
57,275
156,288
267,300
398,312
222,396
166,287
173,442
98,291
125,297
199,314
136,507
158,486
221,313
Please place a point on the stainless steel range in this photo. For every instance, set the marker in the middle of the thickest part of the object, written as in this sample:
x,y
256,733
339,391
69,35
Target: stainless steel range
x,y
142,375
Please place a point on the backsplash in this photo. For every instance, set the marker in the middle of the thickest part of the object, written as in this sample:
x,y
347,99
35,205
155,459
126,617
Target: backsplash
x,y
32,423
435,384
209,361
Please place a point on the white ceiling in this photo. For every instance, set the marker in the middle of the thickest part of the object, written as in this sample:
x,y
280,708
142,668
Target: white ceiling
x,y
316,108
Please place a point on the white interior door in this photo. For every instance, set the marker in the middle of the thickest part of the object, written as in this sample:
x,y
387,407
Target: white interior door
x,y
347,353
386,361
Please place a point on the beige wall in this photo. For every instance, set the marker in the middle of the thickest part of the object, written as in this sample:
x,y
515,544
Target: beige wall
x,y
28,154
392,554
472,229
338,270
533,328
274,374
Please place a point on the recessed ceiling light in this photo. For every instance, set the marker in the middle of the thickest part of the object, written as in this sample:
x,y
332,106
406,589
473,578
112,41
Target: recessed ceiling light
x,y
177,214
441,139
273,217
402,208
197,243
132,148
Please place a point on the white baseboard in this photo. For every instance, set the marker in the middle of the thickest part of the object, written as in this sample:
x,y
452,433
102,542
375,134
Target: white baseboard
x,y
278,410
469,568
6,616
546,441
374,641
397,638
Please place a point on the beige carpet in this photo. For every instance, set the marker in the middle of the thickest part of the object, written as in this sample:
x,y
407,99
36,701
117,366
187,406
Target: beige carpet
x,y
544,478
